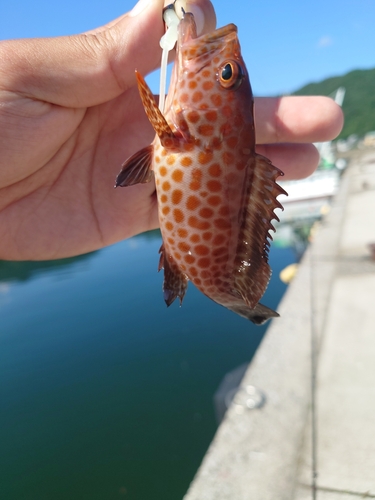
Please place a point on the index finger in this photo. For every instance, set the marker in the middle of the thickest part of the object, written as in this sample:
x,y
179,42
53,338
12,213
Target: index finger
x,y
299,119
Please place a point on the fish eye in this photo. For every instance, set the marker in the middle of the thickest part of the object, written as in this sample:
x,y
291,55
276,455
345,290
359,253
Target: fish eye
x,y
230,75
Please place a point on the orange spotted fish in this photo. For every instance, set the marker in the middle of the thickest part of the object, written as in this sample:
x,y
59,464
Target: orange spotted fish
x,y
216,196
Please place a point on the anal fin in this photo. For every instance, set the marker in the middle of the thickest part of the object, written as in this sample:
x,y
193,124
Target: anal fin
x,y
137,168
175,281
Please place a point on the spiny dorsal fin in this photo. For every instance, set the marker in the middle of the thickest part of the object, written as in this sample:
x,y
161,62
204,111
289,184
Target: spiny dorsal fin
x,y
157,120
252,272
137,168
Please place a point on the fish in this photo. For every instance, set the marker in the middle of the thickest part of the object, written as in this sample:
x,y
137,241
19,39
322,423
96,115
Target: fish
x,y
216,195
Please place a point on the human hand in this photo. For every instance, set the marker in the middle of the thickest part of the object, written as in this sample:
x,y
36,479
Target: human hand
x,y
70,115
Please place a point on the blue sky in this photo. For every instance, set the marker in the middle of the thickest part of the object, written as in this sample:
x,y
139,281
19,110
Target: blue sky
x,y
285,44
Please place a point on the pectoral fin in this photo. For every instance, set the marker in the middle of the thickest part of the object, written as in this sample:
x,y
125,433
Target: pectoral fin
x,y
136,169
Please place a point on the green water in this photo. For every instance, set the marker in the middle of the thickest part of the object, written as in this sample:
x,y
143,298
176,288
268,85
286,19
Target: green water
x,y
104,392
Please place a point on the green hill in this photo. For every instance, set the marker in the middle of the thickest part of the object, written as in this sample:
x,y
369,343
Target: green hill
x,y
359,101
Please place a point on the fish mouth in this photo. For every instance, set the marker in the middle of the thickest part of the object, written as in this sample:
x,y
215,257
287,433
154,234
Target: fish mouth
x,y
187,31
219,33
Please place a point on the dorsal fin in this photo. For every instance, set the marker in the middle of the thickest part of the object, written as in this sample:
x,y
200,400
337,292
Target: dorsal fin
x,y
252,272
167,138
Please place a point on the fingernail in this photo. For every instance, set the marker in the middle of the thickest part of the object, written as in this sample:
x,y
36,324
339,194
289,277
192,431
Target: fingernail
x,y
198,16
139,7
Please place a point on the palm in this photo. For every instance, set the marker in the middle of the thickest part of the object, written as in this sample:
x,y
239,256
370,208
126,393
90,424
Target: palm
x,y
68,204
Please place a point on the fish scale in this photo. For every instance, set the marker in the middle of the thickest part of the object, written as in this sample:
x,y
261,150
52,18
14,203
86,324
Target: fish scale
x,y
216,196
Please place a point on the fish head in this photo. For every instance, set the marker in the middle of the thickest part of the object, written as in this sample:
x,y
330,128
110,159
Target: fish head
x,y
210,94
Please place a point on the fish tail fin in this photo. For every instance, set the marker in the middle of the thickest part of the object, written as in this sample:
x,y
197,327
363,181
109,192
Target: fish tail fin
x,y
259,315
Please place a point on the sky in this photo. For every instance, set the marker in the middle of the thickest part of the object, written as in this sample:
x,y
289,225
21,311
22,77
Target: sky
x,y
285,44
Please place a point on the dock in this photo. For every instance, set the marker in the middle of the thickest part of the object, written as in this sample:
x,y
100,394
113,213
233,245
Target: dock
x,y
313,436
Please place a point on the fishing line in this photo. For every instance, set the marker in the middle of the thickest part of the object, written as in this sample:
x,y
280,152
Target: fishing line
x,y
167,42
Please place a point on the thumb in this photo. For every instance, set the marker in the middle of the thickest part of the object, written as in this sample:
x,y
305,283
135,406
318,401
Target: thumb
x,y
91,68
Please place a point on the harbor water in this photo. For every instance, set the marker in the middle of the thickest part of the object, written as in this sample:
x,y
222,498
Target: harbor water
x,y
105,393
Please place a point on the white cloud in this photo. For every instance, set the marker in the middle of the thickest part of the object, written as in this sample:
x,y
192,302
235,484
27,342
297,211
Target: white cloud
x,y
325,41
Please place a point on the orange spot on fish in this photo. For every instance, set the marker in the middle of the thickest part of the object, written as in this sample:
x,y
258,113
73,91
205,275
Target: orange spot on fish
x,y
214,170
205,157
163,171
157,159
214,186
176,196
165,210
182,233
207,236
240,165
201,250
214,200
195,238
171,159
192,203
206,73
203,106
193,116
163,198
184,97
190,259
178,215
216,100
177,175
184,247
197,96
206,212
206,130
208,85
186,161
193,271
188,146
177,255
169,225
204,262
216,143
166,186
211,116
197,223
192,84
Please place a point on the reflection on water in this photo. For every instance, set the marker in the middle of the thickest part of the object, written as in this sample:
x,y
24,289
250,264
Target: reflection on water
x,y
105,393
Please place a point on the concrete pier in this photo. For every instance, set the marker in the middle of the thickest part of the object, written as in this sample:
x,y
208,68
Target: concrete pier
x,y
329,309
